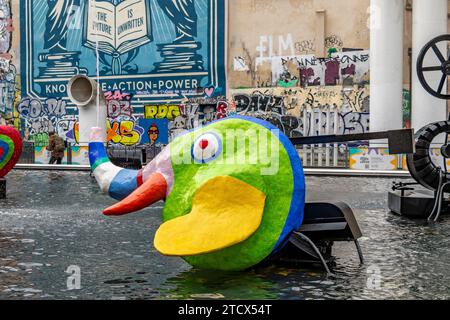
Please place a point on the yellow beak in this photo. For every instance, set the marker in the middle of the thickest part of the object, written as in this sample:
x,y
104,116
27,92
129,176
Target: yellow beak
x,y
226,211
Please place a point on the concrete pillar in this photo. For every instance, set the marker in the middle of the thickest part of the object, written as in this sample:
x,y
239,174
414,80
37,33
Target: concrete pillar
x,y
386,65
429,21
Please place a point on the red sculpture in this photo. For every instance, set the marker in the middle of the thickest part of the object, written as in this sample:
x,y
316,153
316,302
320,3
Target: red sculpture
x,y
10,149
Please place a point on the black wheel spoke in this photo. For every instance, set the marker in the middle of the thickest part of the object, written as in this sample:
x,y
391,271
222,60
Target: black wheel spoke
x,y
435,48
441,84
436,68
438,53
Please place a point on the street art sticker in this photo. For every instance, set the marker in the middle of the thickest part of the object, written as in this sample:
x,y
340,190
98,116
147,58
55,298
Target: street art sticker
x,y
406,109
80,155
156,131
156,50
372,159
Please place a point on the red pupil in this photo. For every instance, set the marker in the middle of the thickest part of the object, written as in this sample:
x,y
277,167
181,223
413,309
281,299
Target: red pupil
x,y
204,144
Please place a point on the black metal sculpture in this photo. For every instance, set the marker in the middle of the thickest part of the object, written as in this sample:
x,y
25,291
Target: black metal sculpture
x,y
431,201
443,67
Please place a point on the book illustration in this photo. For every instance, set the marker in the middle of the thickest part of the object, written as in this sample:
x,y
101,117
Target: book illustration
x,y
117,29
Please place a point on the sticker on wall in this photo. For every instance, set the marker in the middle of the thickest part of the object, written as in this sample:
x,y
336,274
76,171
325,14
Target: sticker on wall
x,y
136,44
372,159
80,156
156,131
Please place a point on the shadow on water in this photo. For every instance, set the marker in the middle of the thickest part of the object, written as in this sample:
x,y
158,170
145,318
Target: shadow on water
x,y
52,220
201,284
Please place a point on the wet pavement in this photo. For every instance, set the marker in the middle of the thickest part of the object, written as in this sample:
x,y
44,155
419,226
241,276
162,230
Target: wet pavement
x,y
52,222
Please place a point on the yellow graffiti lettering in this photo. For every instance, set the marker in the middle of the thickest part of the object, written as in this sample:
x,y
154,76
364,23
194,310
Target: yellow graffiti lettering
x,y
123,133
129,137
162,112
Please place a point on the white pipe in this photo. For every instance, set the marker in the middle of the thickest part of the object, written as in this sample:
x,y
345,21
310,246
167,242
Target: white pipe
x,y
82,91
327,147
386,65
336,130
429,21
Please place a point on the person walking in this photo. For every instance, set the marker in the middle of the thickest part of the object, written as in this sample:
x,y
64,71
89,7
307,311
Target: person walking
x,y
56,146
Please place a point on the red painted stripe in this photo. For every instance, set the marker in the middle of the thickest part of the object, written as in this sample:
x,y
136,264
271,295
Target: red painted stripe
x,y
152,191
140,178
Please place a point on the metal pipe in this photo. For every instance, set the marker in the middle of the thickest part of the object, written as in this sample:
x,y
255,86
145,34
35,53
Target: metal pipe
x,y
82,91
314,247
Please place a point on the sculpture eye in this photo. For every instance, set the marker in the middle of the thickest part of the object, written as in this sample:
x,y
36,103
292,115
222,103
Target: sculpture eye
x,y
206,148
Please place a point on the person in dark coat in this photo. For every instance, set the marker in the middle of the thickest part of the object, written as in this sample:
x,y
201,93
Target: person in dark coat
x,y
57,147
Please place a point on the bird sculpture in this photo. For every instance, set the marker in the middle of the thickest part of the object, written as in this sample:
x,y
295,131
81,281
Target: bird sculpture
x,y
234,191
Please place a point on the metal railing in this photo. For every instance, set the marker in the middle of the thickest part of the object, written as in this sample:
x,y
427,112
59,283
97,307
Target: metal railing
x,y
332,172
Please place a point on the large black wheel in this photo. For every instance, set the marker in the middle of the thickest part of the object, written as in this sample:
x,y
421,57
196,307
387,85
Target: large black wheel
x,y
443,67
420,164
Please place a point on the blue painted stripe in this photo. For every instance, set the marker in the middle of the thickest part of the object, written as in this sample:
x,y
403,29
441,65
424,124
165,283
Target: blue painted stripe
x,y
97,154
296,213
5,147
123,184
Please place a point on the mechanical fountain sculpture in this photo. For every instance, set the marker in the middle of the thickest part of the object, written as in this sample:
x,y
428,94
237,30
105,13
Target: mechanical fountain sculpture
x,y
234,191
430,200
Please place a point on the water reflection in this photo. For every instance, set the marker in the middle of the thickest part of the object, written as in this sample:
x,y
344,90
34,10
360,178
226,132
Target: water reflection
x,y
200,284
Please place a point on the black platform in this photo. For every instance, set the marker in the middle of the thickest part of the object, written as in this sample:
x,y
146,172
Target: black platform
x,y
414,203
324,224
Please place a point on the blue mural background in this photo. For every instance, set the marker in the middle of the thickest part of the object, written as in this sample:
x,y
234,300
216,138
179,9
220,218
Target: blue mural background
x,y
53,48
163,130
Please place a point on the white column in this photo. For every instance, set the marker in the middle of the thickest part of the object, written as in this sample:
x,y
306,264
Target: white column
x,y
429,21
386,65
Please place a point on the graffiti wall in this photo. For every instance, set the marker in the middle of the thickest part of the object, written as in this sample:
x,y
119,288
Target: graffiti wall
x,y
8,71
303,81
193,114
272,40
305,111
148,55
338,68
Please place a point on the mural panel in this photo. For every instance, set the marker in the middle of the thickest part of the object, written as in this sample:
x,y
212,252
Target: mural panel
x,y
159,51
